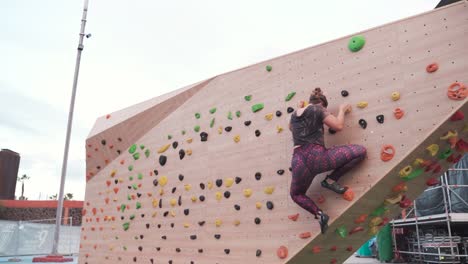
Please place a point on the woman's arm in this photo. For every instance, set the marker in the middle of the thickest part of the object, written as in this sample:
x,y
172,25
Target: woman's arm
x,y
337,123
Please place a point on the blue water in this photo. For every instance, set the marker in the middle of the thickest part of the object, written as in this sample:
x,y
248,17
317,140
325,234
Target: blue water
x,y
28,259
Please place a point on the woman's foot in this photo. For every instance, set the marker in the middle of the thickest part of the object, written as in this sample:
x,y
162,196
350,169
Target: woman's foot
x,y
334,186
323,221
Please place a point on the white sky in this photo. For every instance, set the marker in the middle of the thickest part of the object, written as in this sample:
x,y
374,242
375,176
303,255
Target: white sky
x,y
139,50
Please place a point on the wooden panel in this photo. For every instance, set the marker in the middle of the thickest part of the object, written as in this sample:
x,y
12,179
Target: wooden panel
x,y
393,59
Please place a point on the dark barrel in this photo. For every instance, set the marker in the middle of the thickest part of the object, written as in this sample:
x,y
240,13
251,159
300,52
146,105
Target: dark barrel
x,y
9,164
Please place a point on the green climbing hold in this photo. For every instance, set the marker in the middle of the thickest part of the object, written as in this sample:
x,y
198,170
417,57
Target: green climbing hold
x,y
415,173
124,248
134,186
196,128
129,197
142,147
140,176
356,43
136,156
169,137
269,68
212,122
229,116
197,115
122,208
183,132
248,97
380,211
126,226
213,110
341,231
290,96
257,107
238,113
130,168
132,217
446,154
138,205
130,178
132,149
147,153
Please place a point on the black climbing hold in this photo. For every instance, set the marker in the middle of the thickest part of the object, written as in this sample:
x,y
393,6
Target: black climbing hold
x,y
344,93
98,167
142,215
278,113
290,168
159,225
257,133
181,177
119,152
129,187
155,172
227,194
201,223
202,186
158,248
269,205
162,160
290,110
139,195
181,154
280,172
141,236
380,119
363,123
186,211
258,253
134,259
179,201
164,237
122,217
103,142
175,144
228,129
166,214
152,261
331,131
227,250
116,181
237,207
203,136
219,182
172,225
200,250
217,236
140,248
257,220
258,176
247,123
177,250
202,198
160,203
119,139
170,261
193,237
238,180
174,189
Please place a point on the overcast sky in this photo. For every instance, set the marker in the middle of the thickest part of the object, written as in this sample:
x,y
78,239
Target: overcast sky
x,y
139,50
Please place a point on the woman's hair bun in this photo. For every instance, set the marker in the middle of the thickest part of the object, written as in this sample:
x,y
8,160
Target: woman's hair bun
x,y
318,91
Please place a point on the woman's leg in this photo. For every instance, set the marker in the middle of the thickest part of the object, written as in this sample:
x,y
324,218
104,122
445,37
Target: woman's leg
x,y
344,158
301,181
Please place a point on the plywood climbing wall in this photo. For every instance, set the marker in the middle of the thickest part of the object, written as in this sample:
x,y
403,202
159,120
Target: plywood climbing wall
x,y
197,176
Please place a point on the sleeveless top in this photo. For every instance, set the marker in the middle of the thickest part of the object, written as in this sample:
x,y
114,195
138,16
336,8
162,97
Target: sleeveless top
x,y
308,128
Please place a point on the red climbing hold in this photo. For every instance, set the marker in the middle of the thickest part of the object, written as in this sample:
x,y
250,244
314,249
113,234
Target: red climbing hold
x,y
293,217
437,168
334,248
108,183
356,229
462,146
316,249
405,202
398,113
108,116
349,248
333,261
116,190
106,200
432,67
321,199
457,91
282,252
457,116
83,212
387,152
400,188
305,235
361,219
432,182
94,211
348,195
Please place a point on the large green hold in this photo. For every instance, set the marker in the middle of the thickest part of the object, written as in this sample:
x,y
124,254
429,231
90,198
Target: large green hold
x,y
122,207
136,156
132,149
196,128
257,107
126,226
415,173
380,211
342,231
213,110
446,153
356,43
290,96
138,205
197,115
248,97
269,68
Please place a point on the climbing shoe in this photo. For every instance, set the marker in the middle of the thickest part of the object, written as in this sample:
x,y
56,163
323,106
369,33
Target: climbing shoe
x,y
335,186
323,221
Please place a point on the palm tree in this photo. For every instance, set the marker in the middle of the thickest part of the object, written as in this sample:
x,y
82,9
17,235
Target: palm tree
x,y
68,196
22,179
53,197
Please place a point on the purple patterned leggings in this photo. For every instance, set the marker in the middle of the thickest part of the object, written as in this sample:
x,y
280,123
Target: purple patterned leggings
x,y
311,159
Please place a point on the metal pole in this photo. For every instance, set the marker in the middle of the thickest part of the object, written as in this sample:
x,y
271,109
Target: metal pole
x,y
67,140
447,215
417,231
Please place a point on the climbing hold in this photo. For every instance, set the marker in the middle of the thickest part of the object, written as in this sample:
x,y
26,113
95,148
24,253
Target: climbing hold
x,y
305,235
219,182
361,219
247,192
331,131
395,96
237,207
248,97
188,152
228,129
210,185
433,149
415,173
406,171
457,91
344,93
373,230
462,145
173,202
269,189
446,153
183,132
257,107
278,113
269,205
236,138
341,231
387,152
181,154
458,115
258,205
196,128
356,43
238,180
449,134
293,217
269,68
228,182
405,202
202,186
163,180
393,199
362,104
238,114
290,96
290,110
376,221
258,176
348,195
189,140
136,156
258,253
280,172
398,113
147,153
162,160
432,182
132,149
138,205
227,250
380,211
227,194
218,222
218,196
187,187
349,248
212,122
126,226
269,116
213,110
203,136
257,133
257,220
201,223
363,123
380,119
432,67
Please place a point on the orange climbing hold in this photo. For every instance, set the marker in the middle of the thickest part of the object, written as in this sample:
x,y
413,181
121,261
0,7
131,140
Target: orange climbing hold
x,y
116,190
108,183
457,116
348,195
398,113
457,91
305,235
432,67
282,252
316,249
356,229
321,199
400,188
293,217
94,211
387,153
361,219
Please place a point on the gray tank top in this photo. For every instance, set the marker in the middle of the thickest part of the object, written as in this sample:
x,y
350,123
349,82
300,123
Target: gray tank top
x,y
308,128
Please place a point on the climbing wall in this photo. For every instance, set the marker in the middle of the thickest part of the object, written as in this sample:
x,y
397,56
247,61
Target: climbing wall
x,y
202,174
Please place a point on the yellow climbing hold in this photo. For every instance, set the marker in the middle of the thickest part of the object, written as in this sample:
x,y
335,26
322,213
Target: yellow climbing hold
x,y
433,149
236,138
161,192
194,198
115,199
155,202
173,202
186,225
163,148
279,129
172,213
247,192
163,180
394,199
113,173
269,189
362,104
220,130
375,221
228,182
269,116
373,230
218,222
189,140
418,162
187,187
236,222
188,152
219,195
258,205
406,171
395,96
210,185
154,214
121,180
465,128
449,134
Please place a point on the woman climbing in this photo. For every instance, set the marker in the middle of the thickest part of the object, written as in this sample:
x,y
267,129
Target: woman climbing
x,y
310,156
